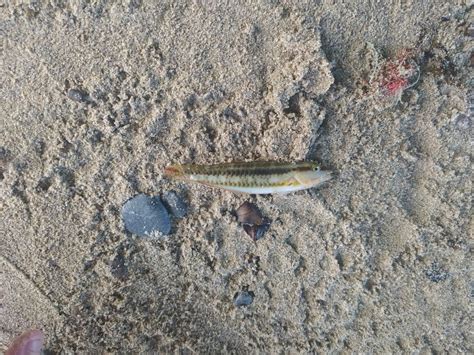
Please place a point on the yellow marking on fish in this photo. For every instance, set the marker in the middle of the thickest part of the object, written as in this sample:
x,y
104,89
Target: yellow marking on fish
x,y
253,177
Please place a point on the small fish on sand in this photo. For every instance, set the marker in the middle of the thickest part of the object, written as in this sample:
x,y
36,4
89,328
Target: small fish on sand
x,y
259,177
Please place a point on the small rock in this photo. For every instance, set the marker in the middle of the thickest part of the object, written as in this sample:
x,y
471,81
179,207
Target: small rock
x,y
248,213
77,95
143,215
254,224
243,298
175,204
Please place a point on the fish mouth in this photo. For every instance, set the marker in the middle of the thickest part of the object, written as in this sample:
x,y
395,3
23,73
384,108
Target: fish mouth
x,y
322,176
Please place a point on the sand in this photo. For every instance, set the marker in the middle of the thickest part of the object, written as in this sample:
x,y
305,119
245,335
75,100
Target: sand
x,y
98,97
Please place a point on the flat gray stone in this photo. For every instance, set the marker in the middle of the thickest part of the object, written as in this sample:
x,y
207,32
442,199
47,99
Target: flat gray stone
x,y
243,298
143,215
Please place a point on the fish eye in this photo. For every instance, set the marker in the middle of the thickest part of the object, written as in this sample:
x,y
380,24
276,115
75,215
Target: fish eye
x,y
315,167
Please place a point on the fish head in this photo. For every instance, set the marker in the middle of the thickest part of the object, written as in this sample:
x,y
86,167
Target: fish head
x,y
313,177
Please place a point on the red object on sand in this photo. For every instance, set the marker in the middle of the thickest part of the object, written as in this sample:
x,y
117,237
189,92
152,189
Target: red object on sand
x,y
398,74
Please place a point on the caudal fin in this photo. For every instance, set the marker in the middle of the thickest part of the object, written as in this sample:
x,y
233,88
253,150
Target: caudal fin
x,y
173,171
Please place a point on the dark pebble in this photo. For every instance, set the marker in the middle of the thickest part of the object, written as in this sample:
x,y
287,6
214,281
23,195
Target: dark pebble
x,y
143,215
243,298
77,95
175,203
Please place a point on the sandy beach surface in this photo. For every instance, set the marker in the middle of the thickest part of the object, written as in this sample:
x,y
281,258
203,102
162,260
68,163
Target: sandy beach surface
x,y
97,97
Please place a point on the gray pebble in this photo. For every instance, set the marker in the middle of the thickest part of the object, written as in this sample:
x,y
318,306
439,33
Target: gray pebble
x,y
243,298
175,204
77,95
143,215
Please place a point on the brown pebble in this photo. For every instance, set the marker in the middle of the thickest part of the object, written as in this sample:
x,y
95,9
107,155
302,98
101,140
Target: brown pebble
x,y
251,231
254,224
248,213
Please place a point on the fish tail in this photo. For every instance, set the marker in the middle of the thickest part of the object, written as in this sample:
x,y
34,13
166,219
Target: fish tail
x,y
174,171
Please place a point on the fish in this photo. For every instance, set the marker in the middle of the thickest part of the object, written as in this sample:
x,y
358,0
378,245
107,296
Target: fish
x,y
259,177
